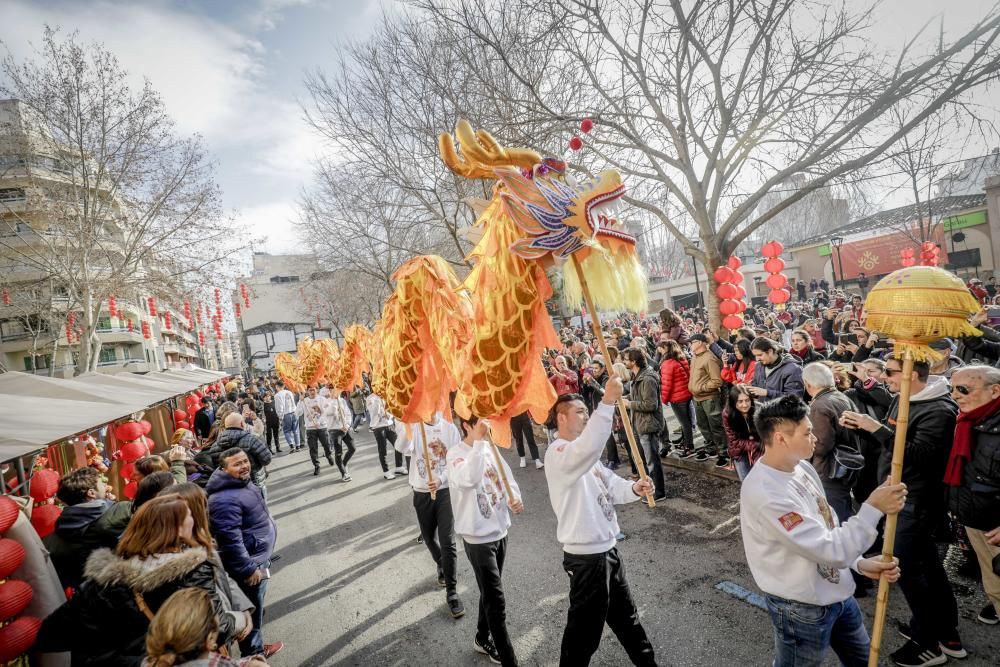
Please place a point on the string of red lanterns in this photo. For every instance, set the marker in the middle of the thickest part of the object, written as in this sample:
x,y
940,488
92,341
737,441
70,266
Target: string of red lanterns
x,y
166,320
929,254
151,303
777,281
6,296
731,292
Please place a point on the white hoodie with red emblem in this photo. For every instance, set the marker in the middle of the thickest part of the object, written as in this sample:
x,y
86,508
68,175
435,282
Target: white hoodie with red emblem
x,y
478,497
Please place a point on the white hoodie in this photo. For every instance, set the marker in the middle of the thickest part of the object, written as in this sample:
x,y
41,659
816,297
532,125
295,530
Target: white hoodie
x,y
478,497
442,435
376,409
313,411
339,415
583,493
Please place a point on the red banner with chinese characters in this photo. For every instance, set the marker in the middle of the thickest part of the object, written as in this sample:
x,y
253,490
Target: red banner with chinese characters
x,y
880,255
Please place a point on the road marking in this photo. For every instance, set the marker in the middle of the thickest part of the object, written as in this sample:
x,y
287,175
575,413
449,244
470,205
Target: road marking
x,y
740,593
727,523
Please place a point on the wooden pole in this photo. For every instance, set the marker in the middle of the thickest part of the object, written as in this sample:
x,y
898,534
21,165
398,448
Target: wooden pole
x,y
599,335
895,477
427,459
503,471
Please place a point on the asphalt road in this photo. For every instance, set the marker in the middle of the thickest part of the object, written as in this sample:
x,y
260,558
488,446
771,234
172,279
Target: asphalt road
x,y
353,587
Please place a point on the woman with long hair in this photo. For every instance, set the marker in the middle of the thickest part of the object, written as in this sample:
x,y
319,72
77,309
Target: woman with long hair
x,y
737,421
739,364
105,622
186,632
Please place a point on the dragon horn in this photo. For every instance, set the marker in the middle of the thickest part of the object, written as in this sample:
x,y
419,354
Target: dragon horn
x,y
481,153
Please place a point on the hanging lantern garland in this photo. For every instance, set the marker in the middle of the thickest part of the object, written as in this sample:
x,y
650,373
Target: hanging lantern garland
x,y
151,303
239,311
730,291
929,252
131,326
17,632
6,296
146,333
112,306
906,257
132,446
777,281
166,320
187,314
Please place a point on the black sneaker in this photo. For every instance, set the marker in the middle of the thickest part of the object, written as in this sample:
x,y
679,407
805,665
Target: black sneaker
x,y
700,456
914,655
660,497
455,606
722,461
988,615
441,581
951,645
316,470
663,452
488,649
686,454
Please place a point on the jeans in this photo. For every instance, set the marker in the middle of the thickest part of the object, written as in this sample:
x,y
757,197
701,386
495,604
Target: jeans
x,y
437,526
649,448
315,437
254,642
358,419
521,431
487,564
290,427
271,429
336,435
709,414
682,411
599,594
923,580
383,436
742,463
804,632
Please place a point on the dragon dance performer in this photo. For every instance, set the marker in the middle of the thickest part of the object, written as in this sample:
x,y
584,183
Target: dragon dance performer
x,y
480,504
434,515
583,494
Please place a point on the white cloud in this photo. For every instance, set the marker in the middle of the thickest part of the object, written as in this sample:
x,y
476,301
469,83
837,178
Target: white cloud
x,y
274,222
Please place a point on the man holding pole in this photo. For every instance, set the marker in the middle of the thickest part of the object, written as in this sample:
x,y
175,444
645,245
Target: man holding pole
x,y
798,550
431,498
932,632
583,494
482,490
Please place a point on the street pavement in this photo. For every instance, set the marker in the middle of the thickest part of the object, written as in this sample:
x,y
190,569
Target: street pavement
x,y
353,587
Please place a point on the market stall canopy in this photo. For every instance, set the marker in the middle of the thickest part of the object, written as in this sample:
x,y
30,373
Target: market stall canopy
x,y
38,411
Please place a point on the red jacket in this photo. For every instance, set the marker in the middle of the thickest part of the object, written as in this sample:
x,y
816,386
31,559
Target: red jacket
x,y
565,382
733,376
674,376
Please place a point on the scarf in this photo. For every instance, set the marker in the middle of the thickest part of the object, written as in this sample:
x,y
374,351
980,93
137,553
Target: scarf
x,y
961,448
800,354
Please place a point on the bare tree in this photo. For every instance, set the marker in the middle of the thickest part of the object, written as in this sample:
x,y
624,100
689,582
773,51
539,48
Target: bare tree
x,y
116,202
719,102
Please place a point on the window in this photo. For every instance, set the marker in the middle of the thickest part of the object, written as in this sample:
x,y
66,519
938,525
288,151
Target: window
x,y
108,354
42,361
11,195
104,323
285,279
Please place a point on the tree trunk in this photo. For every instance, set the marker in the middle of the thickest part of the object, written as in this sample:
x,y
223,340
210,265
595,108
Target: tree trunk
x,y
710,262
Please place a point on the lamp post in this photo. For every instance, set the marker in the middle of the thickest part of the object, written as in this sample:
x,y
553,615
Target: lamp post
x,y
697,285
836,242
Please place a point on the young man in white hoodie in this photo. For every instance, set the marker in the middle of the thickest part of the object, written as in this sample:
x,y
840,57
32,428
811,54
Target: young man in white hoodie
x,y
480,504
798,550
434,515
382,425
583,494
314,408
339,417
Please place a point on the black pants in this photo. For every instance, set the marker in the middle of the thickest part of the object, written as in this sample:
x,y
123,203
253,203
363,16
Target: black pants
x,y
520,428
487,564
336,436
598,593
682,411
271,431
314,436
923,581
437,526
383,436
612,448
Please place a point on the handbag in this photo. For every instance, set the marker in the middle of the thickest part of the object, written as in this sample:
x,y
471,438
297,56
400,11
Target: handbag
x,y
848,462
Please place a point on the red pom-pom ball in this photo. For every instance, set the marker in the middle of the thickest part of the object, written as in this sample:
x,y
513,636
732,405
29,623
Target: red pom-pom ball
x,y
586,125
576,143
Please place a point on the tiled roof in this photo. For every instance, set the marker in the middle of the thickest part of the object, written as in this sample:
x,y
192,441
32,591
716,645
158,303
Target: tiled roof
x,y
900,216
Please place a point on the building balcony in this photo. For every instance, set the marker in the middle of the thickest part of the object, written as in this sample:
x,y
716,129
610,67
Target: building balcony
x,y
119,335
123,366
171,347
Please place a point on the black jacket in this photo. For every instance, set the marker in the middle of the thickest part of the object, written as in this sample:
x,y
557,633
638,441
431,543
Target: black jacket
x,y
202,423
81,529
928,443
102,623
256,450
977,502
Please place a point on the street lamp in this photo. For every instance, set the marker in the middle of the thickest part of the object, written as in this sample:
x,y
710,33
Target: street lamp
x,y
697,285
836,242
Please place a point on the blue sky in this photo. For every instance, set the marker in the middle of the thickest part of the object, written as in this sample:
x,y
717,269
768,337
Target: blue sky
x,y
229,70
232,70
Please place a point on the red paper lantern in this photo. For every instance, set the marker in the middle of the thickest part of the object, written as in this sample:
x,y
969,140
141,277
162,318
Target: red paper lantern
x,y
151,303
734,262
43,518
8,513
17,637
127,471
776,280
246,302
15,595
11,556
729,307
128,431
130,325
179,415
742,305
772,249
6,296
129,490
723,274
183,424
131,452
737,277
778,296
726,291
44,484
239,311
774,265
146,427
732,321
166,320
740,292
586,125
576,143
